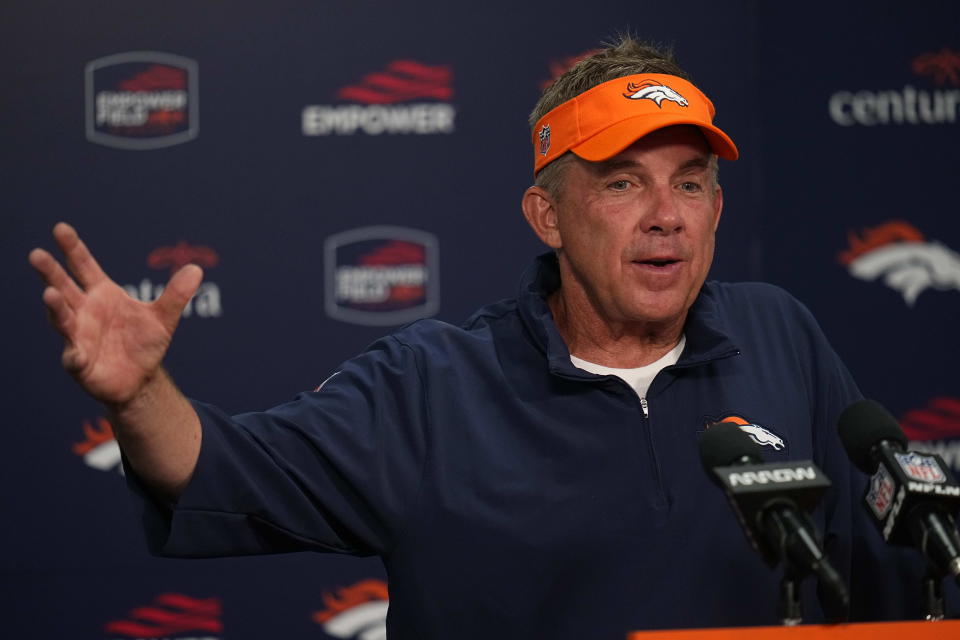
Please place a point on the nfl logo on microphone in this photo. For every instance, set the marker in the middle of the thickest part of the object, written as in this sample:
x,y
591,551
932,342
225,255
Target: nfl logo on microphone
x,y
921,468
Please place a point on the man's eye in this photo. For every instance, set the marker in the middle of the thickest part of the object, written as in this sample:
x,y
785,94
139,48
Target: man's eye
x,y
691,187
620,185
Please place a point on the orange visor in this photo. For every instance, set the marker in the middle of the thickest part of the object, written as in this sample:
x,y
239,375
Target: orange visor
x,y
603,121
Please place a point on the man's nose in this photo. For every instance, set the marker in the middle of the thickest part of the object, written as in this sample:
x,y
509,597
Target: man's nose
x,y
663,213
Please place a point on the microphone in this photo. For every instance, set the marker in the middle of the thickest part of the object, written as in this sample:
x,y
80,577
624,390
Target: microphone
x,y
912,497
771,501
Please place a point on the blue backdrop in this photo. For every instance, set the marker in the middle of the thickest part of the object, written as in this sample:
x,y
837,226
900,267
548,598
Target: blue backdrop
x,y
341,167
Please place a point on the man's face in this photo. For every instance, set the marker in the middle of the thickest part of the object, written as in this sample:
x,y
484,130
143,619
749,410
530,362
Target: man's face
x,y
636,232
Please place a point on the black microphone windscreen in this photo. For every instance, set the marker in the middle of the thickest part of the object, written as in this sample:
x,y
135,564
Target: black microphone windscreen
x,y
863,425
724,444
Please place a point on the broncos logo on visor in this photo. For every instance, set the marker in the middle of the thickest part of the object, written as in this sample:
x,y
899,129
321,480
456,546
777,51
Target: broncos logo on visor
x,y
650,90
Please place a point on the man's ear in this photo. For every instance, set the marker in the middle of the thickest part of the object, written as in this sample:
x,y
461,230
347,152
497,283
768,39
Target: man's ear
x,y
540,210
718,204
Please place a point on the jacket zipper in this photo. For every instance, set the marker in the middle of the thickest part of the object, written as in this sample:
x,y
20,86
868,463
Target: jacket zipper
x,y
659,494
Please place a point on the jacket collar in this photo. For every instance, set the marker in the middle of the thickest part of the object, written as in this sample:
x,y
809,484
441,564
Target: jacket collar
x,y
707,335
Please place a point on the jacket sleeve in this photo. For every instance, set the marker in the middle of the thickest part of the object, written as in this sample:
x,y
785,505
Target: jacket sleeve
x,y
335,469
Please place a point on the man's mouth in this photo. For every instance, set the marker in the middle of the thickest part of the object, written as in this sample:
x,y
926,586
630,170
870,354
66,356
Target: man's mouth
x,y
657,262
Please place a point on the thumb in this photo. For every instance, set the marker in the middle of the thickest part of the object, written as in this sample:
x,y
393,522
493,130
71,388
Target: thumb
x,y
177,293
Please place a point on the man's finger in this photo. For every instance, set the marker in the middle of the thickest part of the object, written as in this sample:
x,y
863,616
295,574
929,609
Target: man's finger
x,y
177,293
59,312
54,275
79,258
73,359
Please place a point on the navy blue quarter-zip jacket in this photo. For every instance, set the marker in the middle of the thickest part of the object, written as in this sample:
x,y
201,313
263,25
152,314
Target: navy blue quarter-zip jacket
x,y
512,495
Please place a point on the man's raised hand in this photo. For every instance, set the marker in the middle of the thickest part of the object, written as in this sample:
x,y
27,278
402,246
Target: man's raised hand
x,y
114,344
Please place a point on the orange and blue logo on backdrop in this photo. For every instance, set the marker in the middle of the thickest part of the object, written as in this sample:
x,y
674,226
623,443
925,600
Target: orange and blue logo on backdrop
x,y
897,254
357,611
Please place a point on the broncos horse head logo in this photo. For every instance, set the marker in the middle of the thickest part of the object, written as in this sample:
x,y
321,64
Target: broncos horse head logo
x,y
358,611
899,255
758,434
650,90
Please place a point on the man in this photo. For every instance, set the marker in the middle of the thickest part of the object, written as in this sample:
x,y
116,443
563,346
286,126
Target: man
x,y
533,473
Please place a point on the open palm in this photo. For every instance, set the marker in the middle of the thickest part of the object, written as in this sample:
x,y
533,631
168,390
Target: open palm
x,y
114,344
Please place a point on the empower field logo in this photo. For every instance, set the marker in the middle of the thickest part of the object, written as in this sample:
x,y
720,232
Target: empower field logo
x,y
381,275
407,97
142,100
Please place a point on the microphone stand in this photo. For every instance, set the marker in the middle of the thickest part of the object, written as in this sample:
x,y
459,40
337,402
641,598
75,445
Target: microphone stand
x,y
789,537
934,607
942,561
789,605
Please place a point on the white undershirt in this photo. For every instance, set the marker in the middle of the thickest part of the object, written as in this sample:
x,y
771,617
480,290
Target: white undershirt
x,y
638,378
